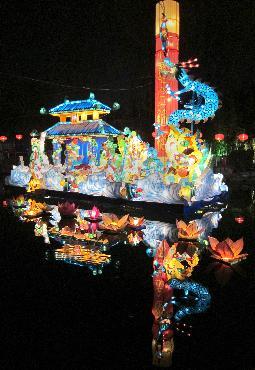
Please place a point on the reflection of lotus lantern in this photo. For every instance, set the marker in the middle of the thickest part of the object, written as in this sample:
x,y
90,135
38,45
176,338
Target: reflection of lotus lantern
x,y
136,222
227,250
188,231
111,222
94,213
67,209
180,260
134,238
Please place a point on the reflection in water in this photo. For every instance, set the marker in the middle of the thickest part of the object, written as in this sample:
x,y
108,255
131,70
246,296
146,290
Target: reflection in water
x,y
86,239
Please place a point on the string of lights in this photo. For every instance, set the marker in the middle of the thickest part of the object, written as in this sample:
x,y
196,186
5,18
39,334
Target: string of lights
x,y
80,87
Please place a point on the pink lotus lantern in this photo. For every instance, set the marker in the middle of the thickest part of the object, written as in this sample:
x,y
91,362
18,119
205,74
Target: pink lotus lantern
x,y
19,137
242,137
3,138
219,137
67,209
94,214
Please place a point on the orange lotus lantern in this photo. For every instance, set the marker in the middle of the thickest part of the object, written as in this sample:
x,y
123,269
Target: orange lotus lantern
x,y
242,137
227,250
19,137
239,219
219,137
188,231
67,209
3,138
35,209
136,222
135,237
111,222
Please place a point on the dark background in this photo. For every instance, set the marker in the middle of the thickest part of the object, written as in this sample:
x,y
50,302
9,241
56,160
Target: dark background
x,y
110,44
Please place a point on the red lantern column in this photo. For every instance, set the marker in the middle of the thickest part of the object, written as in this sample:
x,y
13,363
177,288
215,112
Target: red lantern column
x,y
164,104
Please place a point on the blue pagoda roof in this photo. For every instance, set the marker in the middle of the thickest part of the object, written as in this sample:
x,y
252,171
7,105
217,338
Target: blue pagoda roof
x,y
79,105
91,127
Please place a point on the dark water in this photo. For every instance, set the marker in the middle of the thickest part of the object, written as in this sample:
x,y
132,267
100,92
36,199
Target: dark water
x,y
60,315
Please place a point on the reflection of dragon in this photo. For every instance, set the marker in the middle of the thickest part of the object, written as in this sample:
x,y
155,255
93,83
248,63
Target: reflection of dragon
x,y
205,101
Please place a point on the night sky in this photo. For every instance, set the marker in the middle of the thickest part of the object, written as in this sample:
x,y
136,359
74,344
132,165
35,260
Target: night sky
x,y
110,45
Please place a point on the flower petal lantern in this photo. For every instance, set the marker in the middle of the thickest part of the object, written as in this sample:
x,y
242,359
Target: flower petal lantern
x,y
3,138
227,250
19,137
242,137
219,137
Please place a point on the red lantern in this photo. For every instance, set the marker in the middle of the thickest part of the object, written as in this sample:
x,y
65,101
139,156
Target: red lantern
x,y
239,219
19,136
242,137
219,137
3,138
154,134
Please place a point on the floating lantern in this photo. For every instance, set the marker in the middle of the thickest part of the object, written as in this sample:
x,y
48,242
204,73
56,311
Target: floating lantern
x,y
19,137
94,214
242,137
112,223
188,231
136,222
239,219
3,138
67,209
219,137
227,250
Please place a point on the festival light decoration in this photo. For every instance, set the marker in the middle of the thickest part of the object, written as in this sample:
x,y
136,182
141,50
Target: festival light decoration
x,y
94,214
3,138
67,209
111,222
239,219
188,231
135,237
243,137
35,209
19,201
219,137
136,222
227,250
19,136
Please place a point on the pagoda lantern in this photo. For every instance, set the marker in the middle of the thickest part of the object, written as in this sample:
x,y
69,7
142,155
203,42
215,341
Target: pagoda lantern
x,y
3,138
219,137
242,137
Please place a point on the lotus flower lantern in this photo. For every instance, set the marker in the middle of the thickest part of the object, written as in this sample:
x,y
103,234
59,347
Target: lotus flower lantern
x,y
189,231
136,222
227,250
111,222
94,214
67,209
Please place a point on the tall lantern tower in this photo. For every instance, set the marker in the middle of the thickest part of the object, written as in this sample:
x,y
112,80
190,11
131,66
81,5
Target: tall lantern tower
x,y
167,28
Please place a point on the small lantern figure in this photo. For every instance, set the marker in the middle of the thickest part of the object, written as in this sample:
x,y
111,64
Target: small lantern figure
x,y
19,137
242,137
3,138
219,137
239,219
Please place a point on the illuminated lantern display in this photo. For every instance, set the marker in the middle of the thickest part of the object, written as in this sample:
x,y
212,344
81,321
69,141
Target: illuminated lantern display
x,y
219,137
239,219
111,222
3,138
227,250
242,137
19,137
94,214
167,45
188,231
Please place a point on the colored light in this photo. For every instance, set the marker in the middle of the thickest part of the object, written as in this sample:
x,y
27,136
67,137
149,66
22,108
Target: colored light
x,y
3,138
243,137
19,137
219,137
239,219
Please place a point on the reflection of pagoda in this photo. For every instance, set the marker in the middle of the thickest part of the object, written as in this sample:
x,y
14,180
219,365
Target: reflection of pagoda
x,y
80,121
